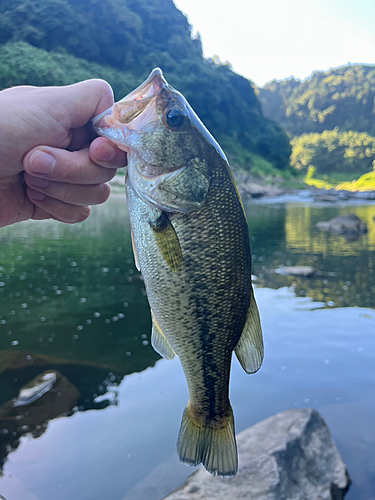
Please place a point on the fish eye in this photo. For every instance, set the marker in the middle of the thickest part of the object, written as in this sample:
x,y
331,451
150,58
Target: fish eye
x,y
175,118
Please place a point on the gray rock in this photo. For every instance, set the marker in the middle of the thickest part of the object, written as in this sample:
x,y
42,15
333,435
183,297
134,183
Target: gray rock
x,y
250,187
333,195
256,190
290,456
305,271
326,197
349,226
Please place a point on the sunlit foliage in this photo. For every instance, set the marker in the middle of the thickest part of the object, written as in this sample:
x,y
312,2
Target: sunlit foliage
x,y
343,97
333,150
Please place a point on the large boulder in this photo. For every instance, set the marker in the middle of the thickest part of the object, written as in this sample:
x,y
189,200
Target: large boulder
x,y
290,456
349,226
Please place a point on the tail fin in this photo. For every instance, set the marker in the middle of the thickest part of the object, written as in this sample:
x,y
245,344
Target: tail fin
x,y
213,445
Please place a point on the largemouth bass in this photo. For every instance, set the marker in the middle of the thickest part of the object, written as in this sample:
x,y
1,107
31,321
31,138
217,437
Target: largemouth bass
x,y
191,243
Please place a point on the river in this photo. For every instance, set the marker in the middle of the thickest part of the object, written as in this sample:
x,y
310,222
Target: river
x,y
72,301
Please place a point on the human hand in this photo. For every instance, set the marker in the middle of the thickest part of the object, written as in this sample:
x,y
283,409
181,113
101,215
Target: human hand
x,y
45,166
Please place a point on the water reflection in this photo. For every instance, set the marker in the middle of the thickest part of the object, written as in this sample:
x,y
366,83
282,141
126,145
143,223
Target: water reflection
x,y
286,235
65,297
17,419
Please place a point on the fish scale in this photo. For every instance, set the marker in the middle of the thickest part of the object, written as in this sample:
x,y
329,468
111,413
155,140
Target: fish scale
x,y
198,309
191,243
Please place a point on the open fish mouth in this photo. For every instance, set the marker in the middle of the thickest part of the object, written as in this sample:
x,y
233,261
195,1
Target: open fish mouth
x,y
149,88
130,107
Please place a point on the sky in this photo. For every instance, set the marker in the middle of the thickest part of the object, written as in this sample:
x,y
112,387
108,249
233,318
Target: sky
x,y
267,39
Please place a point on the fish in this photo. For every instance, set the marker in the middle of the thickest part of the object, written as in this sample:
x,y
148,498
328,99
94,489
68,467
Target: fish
x,y
191,243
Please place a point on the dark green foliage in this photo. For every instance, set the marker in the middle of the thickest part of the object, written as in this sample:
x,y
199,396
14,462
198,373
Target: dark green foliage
x,y
23,64
342,97
333,151
55,42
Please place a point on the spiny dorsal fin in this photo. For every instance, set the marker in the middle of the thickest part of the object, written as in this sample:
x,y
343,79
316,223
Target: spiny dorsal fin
x,y
249,350
167,241
135,252
159,341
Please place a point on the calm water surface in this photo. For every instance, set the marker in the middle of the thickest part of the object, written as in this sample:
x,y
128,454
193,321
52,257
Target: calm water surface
x,y
72,301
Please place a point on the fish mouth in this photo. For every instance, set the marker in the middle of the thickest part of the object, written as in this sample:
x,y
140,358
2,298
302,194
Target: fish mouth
x,y
149,88
129,108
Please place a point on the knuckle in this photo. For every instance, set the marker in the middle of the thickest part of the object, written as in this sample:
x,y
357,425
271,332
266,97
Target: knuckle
x,y
73,216
103,89
103,193
110,174
83,213
69,166
64,192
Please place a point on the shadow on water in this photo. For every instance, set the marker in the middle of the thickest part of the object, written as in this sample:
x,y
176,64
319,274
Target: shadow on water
x,y
72,302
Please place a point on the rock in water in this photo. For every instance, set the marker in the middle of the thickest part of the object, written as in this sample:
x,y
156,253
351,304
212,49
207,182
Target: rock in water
x,y
290,456
305,271
349,226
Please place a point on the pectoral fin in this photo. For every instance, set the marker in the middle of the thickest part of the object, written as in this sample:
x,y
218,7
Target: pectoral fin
x,y
249,350
167,241
159,341
135,253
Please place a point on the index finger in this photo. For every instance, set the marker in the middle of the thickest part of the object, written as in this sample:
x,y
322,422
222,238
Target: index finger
x,y
65,166
80,102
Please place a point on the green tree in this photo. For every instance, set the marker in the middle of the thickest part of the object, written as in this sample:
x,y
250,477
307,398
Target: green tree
x,y
334,151
343,97
121,41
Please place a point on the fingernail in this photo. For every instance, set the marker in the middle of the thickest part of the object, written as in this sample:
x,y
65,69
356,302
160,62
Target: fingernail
x,y
105,152
41,162
35,195
38,182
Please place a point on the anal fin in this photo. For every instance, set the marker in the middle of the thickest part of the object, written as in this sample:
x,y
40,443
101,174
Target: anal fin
x,y
159,341
249,349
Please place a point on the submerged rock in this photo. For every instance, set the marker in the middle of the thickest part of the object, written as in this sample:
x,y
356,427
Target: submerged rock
x,y
305,271
36,388
290,456
350,226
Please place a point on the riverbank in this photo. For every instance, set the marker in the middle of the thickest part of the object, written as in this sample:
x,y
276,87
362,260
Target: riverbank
x,y
253,188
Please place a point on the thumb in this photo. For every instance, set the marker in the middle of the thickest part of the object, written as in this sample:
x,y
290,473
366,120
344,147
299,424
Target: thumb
x,y
84,100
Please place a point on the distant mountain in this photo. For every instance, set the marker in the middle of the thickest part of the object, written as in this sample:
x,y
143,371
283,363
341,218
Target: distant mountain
x,y
342,98
55,42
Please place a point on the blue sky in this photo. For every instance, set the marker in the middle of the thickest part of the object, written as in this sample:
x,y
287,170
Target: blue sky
x,y
270,39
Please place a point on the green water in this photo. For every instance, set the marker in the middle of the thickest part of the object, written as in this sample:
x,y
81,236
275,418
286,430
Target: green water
x,y
71,300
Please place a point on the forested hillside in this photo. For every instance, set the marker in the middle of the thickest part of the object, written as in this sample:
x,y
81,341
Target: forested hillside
x,y
342,97
55,42
331,117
